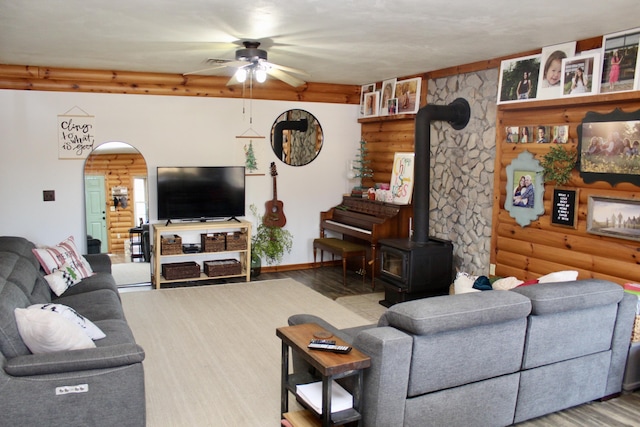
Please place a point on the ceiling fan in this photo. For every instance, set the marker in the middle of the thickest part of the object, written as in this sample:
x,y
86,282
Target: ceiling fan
x,y
251,61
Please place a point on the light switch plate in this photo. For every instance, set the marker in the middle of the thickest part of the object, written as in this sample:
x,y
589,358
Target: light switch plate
x,y
49,195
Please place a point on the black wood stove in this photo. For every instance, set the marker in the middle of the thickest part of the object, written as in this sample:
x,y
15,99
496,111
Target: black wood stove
x,y
420,266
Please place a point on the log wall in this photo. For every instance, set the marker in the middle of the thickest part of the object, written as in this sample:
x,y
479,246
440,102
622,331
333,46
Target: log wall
x,y
119,171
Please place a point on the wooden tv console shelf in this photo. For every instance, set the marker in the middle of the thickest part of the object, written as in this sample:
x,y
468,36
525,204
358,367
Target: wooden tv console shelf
x,y
191,232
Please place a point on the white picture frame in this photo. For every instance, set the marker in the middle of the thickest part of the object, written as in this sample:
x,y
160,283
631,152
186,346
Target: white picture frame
x,y
628,75
586,65
371,104
511,79
550,75
387,93
364,89
408,94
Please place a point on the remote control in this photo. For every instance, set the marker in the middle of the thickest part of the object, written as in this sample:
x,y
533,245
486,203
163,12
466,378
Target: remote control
x,y
318,341
330,347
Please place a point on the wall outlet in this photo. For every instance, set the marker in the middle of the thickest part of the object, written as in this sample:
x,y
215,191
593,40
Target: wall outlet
x,y
49,195
492,269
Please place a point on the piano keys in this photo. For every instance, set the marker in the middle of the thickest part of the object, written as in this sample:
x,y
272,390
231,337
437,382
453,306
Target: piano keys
x,y
368,221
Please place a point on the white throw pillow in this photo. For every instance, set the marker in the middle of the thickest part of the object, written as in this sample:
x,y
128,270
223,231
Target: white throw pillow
x,y
52,258
63,278
559,276
45,331
69,313
464,284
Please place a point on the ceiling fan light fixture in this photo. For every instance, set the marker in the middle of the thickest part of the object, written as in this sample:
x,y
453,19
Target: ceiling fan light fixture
x,y
261,74
241,75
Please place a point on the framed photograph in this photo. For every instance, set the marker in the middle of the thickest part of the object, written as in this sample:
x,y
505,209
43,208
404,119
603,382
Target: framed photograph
x,y
542,134
613,217
560,134
620,67
525,188
550,74
387,93
370,88
564,207
392,106
512,134
408,94
518,79
525,135
371,104
581,75
609,147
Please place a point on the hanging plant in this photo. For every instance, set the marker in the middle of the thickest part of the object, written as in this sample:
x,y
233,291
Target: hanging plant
x,y
558,164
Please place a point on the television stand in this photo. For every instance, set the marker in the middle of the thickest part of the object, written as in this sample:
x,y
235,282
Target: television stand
x,y
233,218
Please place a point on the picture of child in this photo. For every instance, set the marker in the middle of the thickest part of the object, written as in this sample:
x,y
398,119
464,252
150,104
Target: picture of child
x,y
550,76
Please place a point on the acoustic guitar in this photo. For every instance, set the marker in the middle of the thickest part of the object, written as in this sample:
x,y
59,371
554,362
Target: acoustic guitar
x,y
274,215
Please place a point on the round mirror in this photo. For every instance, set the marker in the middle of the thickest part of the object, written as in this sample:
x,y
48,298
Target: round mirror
x,y
117,207
296,137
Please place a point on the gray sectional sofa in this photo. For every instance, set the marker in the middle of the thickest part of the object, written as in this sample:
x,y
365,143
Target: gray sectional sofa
x,y
492,358
102,386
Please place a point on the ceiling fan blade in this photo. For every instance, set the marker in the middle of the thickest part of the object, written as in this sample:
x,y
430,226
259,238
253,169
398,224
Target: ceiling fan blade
x,y
289,79
230,64
289,69
233,81
205,69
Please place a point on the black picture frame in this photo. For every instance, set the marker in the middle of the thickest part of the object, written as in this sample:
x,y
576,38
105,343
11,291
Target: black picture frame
x,y
596,162
564,208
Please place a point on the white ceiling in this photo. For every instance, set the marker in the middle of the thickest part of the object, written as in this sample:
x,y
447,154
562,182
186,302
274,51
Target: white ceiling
x,y
335,41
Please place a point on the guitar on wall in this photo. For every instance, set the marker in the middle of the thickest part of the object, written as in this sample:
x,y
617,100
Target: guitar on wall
x,y
274,216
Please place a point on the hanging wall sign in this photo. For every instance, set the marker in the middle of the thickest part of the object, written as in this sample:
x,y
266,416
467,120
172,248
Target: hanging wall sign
x,y
76,135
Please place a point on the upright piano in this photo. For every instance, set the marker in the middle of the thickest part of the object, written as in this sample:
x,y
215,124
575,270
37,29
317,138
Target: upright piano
x,y
359,219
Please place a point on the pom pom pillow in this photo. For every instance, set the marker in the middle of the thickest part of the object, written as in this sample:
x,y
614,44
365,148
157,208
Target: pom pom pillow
x,y
52,258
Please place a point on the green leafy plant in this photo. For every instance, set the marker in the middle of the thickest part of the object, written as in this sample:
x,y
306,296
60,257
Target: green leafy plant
x,y
268,242
558,164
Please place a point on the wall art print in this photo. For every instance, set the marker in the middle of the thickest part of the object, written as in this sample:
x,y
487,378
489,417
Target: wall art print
x,y
608,216
620,65
518,79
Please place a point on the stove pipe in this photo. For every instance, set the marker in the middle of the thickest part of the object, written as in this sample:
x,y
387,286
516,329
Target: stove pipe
x,y
457,114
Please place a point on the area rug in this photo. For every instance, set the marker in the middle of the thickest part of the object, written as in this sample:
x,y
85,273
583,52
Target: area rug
x,y
212,355
131,273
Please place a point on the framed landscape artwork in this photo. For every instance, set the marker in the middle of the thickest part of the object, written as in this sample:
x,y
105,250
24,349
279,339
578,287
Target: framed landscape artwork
x,y
408,94
609,147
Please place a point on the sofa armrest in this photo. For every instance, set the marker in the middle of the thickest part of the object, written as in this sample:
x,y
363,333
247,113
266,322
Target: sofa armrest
x,y
75,360
621,342
100,263
387,380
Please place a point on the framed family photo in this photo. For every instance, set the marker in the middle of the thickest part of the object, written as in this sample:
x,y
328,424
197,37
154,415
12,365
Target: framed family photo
x,y
620,67
386,94
408,94
614,217
518,79
581,75
609,147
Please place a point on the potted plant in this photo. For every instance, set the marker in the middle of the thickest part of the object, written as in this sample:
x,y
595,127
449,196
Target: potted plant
x,y
558,164
268,243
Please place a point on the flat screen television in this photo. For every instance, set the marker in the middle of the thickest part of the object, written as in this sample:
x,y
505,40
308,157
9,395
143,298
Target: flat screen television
x,y
201,193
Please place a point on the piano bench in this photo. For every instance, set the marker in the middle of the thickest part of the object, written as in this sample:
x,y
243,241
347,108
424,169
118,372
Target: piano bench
x,y
344,249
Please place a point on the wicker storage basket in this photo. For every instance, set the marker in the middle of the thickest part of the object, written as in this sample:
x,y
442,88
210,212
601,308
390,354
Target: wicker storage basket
x,y
212,242
237,241
635,335
170,245
222,267
181,270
